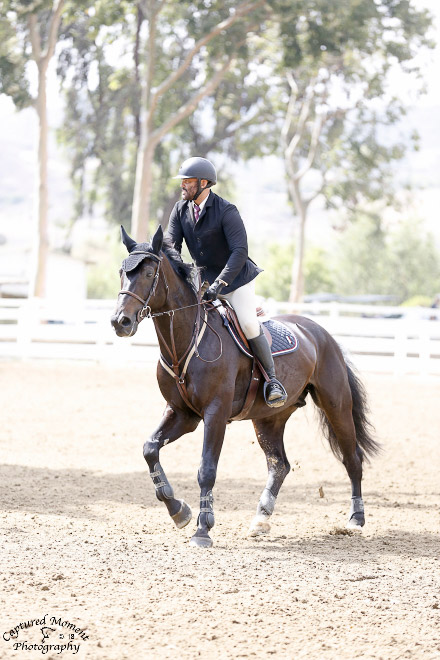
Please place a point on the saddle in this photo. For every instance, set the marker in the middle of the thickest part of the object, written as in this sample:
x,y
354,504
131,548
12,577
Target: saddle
x,y
280,338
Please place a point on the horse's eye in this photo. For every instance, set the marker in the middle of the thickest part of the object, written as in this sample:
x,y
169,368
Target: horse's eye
x,y
149,273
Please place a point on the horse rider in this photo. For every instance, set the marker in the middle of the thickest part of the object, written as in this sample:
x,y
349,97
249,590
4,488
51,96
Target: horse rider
x,y
216,239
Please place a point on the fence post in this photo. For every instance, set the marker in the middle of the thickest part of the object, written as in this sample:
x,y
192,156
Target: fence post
x,y
400,348
424,347
334,309
25,323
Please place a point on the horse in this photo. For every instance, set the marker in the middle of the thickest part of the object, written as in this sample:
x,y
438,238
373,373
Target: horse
x,y
207,377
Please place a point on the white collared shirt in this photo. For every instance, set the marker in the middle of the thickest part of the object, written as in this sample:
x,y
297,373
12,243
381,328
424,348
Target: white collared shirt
x,y
201,205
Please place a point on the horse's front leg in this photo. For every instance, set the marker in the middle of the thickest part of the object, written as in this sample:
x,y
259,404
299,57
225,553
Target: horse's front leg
x,y
174,424
215,426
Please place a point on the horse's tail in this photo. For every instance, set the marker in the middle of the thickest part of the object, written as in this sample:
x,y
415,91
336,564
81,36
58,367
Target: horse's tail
x,y
360,411
364,428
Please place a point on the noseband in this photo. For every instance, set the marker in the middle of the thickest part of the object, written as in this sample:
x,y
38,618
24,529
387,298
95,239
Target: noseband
x,y
146,309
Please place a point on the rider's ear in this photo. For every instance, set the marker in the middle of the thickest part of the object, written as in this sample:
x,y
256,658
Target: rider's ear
x,y
128,242
157,241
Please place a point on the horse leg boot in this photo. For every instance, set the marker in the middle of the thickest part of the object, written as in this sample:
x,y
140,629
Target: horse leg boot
x,y
270,432
173,425
356,516
274,393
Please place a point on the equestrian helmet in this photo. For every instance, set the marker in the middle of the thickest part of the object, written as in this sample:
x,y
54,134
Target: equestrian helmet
x,y
197,168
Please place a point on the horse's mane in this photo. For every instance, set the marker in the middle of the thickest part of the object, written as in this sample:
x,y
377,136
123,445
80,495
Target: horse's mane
x,y
185,271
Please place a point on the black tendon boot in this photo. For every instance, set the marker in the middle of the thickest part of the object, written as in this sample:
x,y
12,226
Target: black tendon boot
x,y
274,393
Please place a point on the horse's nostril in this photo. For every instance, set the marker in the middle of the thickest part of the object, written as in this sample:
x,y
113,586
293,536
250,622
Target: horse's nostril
x,y
125,321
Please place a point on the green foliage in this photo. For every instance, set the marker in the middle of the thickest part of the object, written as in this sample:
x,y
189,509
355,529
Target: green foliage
x,y
360,264
276,260
405,262
102,100
103,279
13,81
414,261
315,27
417,301
318,271
102,127
339,55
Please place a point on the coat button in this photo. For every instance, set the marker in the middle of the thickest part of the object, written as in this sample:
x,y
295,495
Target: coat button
x,y
201,253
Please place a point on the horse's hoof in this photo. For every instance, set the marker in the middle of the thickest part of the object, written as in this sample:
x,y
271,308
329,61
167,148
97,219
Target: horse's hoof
x,y
201,542
183,516
356,522
259,527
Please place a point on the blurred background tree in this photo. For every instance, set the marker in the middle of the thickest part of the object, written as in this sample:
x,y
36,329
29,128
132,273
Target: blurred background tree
x,y
334,68
30,31
104,101
403,261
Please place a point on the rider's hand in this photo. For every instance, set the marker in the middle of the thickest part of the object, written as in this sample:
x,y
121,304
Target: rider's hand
x,y
212,292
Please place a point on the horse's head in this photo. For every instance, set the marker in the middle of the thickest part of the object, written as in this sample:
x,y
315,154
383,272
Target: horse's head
x,y
139,279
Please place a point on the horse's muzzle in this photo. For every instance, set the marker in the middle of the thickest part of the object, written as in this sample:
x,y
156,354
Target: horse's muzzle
x,y
123,325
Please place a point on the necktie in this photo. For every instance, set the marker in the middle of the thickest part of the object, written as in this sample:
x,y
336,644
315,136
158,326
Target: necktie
x,y
196,211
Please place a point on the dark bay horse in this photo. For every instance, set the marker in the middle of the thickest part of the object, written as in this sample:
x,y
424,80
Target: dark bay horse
x,y
215,378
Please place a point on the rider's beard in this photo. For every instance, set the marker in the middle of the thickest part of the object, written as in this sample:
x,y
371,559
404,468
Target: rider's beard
x,y
188,193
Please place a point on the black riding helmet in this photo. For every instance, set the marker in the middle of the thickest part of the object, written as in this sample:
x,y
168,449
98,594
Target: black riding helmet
x,y
198,168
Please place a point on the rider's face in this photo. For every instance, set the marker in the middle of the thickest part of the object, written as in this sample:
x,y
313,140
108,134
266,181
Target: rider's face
x,y
189,188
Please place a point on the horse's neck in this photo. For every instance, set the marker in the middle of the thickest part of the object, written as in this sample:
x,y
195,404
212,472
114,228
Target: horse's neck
x,y
178,327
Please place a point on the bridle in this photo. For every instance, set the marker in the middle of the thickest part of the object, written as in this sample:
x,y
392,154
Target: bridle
x,y
145,311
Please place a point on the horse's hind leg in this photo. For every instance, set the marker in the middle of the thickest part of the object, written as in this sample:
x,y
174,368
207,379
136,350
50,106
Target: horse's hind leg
x,y
173,425
335,402
270,432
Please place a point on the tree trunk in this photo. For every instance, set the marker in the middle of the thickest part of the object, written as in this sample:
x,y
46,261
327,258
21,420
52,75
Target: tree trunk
x,y
41,242
37,284
143,189
297,286
144,165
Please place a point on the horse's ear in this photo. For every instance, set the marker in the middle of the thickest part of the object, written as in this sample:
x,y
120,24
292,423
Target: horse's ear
x,y
157,241
129,243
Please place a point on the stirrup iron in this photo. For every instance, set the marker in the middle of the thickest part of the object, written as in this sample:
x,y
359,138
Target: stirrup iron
x,y
280,400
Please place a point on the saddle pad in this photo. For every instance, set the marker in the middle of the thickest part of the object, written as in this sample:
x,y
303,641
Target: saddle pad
x,y
283,339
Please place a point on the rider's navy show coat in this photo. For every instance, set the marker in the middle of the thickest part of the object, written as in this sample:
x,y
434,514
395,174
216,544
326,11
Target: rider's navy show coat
x,y
217,242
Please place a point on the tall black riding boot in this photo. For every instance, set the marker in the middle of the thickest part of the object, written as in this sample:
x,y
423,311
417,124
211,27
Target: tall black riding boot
x,y
274,393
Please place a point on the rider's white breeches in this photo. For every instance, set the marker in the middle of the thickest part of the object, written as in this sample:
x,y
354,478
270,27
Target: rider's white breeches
x,y
244,301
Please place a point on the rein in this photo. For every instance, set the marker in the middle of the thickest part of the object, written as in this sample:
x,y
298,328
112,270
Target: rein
x,y
145,312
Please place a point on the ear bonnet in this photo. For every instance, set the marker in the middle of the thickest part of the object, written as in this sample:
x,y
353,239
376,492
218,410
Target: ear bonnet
x,y
142,251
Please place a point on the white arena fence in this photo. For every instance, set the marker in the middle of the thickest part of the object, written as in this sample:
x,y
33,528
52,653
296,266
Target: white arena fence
x,y
376,339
